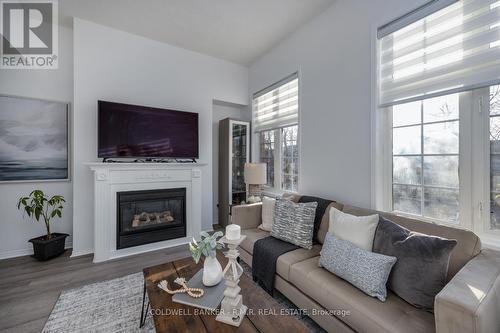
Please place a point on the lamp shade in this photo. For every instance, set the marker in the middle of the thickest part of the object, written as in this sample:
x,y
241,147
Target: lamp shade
x,y
255,173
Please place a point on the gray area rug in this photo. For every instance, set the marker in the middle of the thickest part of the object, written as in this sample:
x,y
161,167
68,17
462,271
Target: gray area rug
x,y
115,306
109,306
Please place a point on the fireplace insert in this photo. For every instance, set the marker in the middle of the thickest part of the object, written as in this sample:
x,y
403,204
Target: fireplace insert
x,y
150,216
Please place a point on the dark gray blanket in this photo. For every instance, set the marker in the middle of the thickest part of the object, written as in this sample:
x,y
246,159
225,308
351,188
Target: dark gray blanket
x,y
265,255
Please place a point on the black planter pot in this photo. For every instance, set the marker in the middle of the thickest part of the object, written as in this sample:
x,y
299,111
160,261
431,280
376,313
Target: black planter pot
x,y
48,248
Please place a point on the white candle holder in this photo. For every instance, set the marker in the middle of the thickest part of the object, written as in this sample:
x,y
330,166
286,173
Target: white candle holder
x,y
232,310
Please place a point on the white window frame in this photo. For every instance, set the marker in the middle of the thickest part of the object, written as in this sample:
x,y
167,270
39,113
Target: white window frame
x,y
481,170
464,127
474,166
277,189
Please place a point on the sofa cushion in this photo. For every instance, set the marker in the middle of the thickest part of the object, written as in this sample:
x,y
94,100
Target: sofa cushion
x,y
285,261
294,222
253,235
325,221
367,314
359,230
468,243
366,270
320,211
422,267
268,205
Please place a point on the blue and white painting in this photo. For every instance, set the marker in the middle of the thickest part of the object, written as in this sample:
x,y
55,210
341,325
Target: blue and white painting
x,y
33,139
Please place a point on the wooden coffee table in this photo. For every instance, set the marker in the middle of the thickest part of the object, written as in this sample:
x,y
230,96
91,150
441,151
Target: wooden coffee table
x,y
264,314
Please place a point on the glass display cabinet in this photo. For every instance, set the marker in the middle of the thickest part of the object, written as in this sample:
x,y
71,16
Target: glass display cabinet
x,y
234,152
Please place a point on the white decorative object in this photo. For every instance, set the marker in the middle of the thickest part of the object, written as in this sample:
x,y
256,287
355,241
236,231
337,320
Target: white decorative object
x,y
255,177
233,232
232,310
193,292
110,178
212,272
207,247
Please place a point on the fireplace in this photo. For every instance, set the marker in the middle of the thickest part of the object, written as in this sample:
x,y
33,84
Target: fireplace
x,y
150,216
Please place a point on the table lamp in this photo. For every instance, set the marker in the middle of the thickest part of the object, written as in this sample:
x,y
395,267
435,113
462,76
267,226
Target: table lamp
x,y
255,177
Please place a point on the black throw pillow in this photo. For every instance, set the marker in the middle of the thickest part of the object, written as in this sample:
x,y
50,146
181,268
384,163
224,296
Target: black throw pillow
x,y
422,266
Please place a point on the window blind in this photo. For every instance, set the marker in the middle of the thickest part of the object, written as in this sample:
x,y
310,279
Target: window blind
x,y
277,106
454,49
413,16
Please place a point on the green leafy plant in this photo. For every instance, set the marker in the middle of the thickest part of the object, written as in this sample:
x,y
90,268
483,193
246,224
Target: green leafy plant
x,y
39,206
207,246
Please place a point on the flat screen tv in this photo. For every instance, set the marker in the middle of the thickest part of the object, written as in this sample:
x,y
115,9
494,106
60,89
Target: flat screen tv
x,y
144,132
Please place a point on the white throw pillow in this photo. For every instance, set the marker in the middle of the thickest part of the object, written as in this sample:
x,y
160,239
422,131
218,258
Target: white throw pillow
x,y
268,205
359,230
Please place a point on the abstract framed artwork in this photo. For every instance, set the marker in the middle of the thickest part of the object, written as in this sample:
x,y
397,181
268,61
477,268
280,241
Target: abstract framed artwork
x,y
34,140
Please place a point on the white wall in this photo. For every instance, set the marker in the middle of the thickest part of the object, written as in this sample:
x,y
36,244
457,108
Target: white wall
x,y
43,84
222,110
117,66
333,54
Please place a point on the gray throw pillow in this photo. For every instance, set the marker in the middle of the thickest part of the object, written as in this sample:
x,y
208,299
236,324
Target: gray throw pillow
x,y
422,267
365,270
294,222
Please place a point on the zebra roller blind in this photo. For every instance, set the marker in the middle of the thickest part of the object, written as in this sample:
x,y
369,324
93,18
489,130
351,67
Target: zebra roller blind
x,y
277,106
454,49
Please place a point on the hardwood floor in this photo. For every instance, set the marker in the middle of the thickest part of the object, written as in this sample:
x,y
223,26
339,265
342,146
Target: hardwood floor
x,y
29,289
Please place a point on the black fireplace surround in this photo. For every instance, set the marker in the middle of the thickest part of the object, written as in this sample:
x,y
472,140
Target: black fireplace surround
x,y
150,216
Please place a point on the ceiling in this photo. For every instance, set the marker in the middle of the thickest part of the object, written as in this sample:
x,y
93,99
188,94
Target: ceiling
x,y
239,31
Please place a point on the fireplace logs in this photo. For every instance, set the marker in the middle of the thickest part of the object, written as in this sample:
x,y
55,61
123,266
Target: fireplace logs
x,y
145,218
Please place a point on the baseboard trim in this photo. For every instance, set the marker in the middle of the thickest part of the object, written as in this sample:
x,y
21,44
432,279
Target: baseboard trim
x,y
16,253
80,253
28,251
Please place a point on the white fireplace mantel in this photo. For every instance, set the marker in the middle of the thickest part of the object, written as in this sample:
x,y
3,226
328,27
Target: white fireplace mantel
x,y
110,178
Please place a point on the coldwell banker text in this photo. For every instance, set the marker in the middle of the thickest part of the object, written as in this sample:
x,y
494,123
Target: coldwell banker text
x,y
30,34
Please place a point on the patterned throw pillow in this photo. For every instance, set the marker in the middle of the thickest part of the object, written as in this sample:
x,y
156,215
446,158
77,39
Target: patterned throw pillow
x,y
367,271
294,222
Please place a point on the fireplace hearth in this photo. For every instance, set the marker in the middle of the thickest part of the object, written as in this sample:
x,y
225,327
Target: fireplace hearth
x,y
150,216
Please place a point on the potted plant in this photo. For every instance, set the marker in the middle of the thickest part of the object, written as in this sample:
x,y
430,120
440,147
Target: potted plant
x,y
38,207
208,246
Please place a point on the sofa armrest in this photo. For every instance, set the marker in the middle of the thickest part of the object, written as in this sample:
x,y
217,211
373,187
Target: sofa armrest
x,y
470,302
247,216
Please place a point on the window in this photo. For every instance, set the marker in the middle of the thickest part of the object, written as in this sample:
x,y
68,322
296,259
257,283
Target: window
x,y
494,138
275,121
282,159
425,158
289,159
267,149
432,175
437,123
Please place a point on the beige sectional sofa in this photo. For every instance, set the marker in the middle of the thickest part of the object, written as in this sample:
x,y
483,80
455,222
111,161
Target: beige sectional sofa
x,y
470,302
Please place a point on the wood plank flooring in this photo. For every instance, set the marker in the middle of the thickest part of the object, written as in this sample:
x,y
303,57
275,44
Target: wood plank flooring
x,y
29,289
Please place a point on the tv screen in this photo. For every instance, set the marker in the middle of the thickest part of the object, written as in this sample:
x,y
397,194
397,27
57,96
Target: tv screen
x,y
138,131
